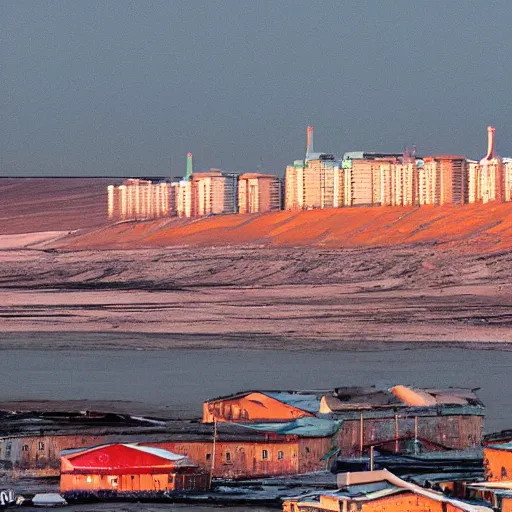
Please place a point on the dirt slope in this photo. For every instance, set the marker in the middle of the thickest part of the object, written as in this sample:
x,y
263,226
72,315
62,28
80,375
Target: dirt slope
x,y
471,228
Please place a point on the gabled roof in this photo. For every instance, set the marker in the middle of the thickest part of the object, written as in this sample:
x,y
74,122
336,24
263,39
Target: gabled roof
x,y
308,401
120,456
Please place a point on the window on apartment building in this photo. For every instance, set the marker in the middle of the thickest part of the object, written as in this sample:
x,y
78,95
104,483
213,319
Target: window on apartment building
x,y
8,450
228,457
307,449
264,454
280,455
24,448
40,446
503,472
208,456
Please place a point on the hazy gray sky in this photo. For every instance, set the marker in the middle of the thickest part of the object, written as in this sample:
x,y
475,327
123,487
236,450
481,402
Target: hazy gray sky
x,y
124,87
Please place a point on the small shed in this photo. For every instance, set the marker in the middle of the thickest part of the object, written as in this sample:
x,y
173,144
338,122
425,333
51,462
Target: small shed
x,y
117,469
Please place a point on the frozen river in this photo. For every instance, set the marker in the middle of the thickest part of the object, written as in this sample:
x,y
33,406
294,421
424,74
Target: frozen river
x,y
183,379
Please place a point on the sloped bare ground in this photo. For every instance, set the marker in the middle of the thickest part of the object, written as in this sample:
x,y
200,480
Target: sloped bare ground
x,y
256,297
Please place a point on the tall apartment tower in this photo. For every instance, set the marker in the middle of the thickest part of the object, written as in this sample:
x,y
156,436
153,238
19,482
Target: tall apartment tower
x,y
258,193
486,179
315,182
442,180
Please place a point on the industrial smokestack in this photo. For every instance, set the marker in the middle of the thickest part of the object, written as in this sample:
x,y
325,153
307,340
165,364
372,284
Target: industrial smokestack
x,y
490,143
188,175
309,146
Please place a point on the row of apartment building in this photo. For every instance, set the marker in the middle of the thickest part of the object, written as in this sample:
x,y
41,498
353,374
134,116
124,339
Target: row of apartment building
x,y
196,195
322,181
389,179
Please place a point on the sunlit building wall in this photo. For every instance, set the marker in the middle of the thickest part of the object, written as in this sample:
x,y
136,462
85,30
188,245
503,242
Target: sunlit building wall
x,y
258,193
397,184
442,180
318,183
206,193
507,179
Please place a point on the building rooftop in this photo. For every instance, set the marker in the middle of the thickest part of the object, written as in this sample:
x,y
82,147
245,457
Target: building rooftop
x,y
304,427
370,398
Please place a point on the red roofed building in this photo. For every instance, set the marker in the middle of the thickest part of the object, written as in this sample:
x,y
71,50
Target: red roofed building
x,y
117,469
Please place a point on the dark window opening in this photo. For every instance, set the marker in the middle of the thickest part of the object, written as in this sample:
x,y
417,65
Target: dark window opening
x,y
41,446
264,454
228,457
24,448
208,456
280,455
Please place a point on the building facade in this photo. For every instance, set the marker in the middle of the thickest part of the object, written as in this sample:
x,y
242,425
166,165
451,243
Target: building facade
x,y
138,199
258,193
443,180
206,193
315,183
128,469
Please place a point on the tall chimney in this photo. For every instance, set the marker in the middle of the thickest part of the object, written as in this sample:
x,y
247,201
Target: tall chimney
x,y
188,175
490,143
309,147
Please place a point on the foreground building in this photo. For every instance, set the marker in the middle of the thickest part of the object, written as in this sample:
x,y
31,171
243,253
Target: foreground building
x,y
260,449
438,418
127,469
378,491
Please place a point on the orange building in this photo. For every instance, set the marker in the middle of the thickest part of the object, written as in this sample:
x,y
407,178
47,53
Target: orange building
x,y
118,469
258,193
378,491
498,462
262,406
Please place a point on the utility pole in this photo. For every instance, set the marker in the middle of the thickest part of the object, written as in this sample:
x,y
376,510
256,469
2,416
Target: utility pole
x,y
213,452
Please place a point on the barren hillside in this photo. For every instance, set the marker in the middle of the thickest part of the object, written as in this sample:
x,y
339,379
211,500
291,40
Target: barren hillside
x,y
320,278
468,229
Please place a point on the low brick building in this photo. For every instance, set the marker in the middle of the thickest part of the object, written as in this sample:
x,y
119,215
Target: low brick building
x,y
378,491
128,469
